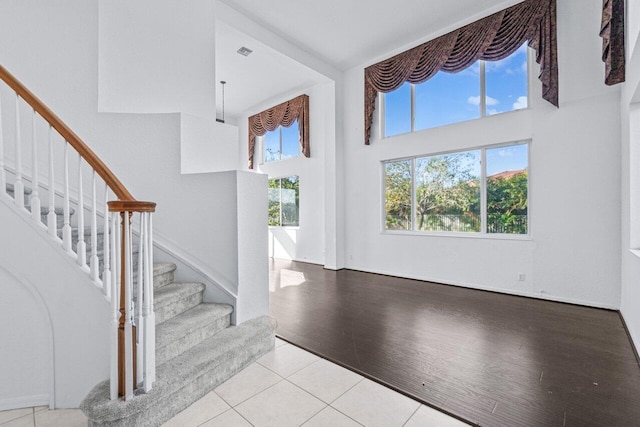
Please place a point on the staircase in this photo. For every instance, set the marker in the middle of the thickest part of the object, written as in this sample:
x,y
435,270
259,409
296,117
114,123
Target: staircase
x,y
196,350
181,346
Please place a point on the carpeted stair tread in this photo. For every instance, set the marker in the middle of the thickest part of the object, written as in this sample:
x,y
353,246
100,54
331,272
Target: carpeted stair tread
x,y
183,379
190,328
163,274
11,189
176,298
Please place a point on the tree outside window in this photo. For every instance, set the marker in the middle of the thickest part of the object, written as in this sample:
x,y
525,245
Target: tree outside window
x,y
284,202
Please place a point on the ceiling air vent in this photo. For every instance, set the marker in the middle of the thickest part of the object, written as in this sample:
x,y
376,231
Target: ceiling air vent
x,y
244,51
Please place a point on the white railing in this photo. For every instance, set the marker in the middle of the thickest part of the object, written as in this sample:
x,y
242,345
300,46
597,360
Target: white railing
x,y
80,191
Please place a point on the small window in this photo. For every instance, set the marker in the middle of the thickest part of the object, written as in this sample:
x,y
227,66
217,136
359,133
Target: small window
x,y
284,202
447,192
281,143
448,98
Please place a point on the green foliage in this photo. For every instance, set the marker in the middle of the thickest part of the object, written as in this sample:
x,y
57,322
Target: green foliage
x,y
398,195
507,204
284,201
448,196
447,186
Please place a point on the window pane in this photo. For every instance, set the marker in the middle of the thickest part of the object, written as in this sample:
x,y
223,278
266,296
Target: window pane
x,y
507,175
397,111
448,192
290,201
290,141
448,98
274,202
506,82
272,146
398,195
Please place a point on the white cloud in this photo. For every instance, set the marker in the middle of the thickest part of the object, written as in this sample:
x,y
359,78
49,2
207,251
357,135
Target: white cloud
x,y
493,111
523,67
506,152
520,103
475,100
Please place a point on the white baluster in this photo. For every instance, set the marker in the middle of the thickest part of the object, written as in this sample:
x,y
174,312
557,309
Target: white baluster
x,y
3,175
128,298
106,253
81,248
35,193
52,220
66,228
149,315
18,185
114,285
94,262
140,326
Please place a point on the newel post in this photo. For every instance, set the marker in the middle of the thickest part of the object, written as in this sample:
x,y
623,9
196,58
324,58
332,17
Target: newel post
x,y
128,331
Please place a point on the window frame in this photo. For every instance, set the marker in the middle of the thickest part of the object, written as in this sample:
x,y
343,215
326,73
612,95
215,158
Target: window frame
x,y
263,147
381,100
482,234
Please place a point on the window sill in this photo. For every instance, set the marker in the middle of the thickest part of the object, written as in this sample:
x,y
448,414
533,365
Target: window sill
x,y
286,227
461,235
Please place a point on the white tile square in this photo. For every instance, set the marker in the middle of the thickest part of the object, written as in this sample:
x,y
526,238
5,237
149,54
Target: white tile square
x,y
373,405
61,417
280,343
426,416
208,407
227,419
325,380
330,417
24,421
246,383
12,414
287,360
283,405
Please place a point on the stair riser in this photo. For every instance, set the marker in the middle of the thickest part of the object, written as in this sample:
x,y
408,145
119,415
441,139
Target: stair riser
x,y
171,310
194,338
163,279
220,368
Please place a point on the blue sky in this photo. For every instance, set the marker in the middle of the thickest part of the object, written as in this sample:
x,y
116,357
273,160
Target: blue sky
x,y
290,143
449,98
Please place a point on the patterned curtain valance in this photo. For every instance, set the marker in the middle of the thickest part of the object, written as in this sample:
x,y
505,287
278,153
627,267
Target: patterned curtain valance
x,y
284,114
492,38
612,33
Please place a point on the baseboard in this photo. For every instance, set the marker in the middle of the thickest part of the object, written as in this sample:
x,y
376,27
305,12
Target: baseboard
x,y
441,281
24,402
633,344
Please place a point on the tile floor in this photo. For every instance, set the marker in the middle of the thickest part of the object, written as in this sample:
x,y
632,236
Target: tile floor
x,y
286,387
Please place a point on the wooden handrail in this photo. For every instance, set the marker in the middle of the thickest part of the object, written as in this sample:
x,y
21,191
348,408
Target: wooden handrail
x,y
131,206
87,154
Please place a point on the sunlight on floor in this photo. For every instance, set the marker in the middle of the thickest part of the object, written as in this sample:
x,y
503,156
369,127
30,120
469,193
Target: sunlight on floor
x,y
287,278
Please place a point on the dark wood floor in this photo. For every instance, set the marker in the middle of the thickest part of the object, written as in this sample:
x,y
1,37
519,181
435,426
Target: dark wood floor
x,y
488,358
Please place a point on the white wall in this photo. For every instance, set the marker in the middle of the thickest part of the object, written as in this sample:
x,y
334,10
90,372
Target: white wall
x,y
57,309
306,242
573,253
52,48
630,179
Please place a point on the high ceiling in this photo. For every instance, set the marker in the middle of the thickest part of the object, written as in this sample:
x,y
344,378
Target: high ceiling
x,y
346,33
342,33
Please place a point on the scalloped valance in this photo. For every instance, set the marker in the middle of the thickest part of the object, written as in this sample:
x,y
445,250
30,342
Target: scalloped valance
x,y
612,33
491,39
284,114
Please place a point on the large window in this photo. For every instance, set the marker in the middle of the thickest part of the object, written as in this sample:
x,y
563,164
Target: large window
x,y
281,143
284,201
484,89
476,191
